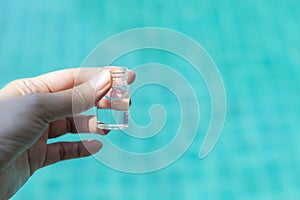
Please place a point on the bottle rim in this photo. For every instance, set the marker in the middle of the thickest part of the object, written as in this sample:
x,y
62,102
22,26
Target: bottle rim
x,y
118,72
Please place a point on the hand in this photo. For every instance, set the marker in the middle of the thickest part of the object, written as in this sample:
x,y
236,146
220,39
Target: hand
x,y
36,109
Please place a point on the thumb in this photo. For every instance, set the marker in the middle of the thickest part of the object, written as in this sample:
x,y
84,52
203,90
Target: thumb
x,y
76,100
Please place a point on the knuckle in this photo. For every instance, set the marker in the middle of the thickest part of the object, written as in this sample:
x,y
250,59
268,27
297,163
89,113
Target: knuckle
x,y
82,98
62,152
25,86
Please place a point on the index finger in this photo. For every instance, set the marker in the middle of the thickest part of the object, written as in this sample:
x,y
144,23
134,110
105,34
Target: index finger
x,y
55,81
66,79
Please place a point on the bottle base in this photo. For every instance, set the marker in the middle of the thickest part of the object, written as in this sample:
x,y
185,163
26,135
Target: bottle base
x,y
112,126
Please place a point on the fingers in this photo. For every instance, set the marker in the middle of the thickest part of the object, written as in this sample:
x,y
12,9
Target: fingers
x,y
47,83
66,79
67,150
76,124
55,81
74,101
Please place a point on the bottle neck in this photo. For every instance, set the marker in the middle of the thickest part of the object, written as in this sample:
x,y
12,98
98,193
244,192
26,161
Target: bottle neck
x,y
119,77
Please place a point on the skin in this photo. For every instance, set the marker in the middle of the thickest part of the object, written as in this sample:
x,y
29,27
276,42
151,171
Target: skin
x,y
36,109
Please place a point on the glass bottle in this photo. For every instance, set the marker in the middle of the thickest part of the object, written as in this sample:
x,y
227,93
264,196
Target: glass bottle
x,y
115,117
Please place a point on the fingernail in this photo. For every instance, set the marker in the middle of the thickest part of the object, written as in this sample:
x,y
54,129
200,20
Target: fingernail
x,y
130,76
102,80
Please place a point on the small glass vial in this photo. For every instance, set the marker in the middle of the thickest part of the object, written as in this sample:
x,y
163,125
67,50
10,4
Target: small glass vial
x,y
117,116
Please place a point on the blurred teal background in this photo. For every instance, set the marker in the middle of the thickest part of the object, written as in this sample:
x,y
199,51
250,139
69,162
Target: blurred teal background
x,y
256,46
